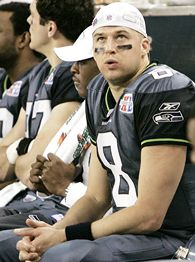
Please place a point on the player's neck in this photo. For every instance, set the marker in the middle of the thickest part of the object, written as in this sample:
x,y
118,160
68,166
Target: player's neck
x,y
54,43
19,69
116,91
54,60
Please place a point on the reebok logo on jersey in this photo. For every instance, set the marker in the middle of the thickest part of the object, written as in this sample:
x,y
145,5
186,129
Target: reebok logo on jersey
x,y
14,89
169,106
168,117
126,104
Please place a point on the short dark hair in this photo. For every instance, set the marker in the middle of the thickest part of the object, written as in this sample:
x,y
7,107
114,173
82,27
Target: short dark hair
x,y
19,17
70,16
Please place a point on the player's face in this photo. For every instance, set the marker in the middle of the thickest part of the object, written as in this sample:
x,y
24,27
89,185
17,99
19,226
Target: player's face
x,y
83,71
8,41
38,32
191,135
120,53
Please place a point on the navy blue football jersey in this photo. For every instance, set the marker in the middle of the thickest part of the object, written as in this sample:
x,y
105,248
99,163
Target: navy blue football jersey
x,y
48,88
151,111
12,100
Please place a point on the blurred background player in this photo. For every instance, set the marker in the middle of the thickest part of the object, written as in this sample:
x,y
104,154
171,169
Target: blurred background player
x,y
55,174
60,177
17,59
52,96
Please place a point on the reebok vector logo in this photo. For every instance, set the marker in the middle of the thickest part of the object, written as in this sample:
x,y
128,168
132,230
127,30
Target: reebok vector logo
x,y
169,106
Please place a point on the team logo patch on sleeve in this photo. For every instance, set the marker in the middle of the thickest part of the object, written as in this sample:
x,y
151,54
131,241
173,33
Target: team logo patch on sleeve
x,y
126,104
14,89
168,113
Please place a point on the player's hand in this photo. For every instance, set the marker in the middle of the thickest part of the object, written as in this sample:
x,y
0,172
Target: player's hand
x,y
57,175
36,174
26,250
41,236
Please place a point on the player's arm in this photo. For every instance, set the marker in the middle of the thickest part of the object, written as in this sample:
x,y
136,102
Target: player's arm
x,y
160,173
97,199
58,116
17,132
90,207
159,178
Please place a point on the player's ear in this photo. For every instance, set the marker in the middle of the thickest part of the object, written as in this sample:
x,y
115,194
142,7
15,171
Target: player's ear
x,y
23,40
52,28
145,45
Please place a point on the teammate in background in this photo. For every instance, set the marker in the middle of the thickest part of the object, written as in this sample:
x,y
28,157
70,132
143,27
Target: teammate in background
x,y
136,113
17,58
57,176
52,97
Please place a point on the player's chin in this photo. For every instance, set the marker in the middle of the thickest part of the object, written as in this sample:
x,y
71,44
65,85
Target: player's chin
x,y
80,91
32,46
77,85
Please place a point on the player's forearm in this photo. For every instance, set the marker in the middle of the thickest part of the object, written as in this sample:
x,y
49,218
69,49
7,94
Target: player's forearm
x,y
129,220
10,138
22,170
18,131
85,209
24,162
132,220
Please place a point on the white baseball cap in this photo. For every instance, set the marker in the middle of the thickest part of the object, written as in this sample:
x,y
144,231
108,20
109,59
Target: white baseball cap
x,y
120,14
81,49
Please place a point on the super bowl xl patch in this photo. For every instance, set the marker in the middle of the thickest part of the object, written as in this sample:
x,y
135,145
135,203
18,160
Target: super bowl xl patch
x,y
14,89
126,104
